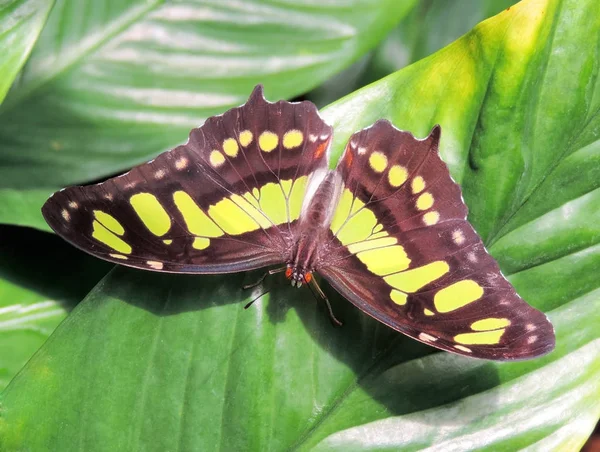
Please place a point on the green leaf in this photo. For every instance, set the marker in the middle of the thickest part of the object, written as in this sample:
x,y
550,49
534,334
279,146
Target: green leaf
x,y
22,207
102,94
26,321
21,22
35,293
429,26
165,362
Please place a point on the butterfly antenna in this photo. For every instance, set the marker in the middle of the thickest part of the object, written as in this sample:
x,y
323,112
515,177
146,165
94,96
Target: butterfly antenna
x,y
322,296
252,302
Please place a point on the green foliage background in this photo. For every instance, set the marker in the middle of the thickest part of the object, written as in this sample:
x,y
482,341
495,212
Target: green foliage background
x,y
172,362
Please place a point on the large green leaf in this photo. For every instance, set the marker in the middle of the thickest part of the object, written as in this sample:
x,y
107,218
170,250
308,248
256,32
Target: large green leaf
x,y
170,362
37,291
429,26
20,24
113,83
26,321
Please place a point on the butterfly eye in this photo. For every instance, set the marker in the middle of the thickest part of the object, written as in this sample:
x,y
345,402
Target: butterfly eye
x,y
308,278
288,272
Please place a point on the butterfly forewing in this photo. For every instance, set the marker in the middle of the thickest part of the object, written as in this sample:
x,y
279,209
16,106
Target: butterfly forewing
x,y
226,201
400,249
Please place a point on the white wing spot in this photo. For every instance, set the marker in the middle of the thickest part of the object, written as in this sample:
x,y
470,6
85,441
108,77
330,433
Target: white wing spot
x,y
361,150
156,265
312,138
73,205
159,174
532,339
463,348
431,218
108,196
458,237
324,136
471,256
427,337
181,163
118,256
530,327
66,215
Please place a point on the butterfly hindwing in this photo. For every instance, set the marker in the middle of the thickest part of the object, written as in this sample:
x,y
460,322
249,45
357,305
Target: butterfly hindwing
x,y
225,201
402,251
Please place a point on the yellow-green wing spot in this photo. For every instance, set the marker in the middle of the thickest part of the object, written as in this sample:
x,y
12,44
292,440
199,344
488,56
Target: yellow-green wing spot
x,y
201,243
397,175
109,222
490,324
230,147
236,216
263,207
273,203
151,212
216,158
104,235
457,295
294,190
356,227
417,185
292,139
425,201
412,280
196,221
398,297
378,161
480,338
386,260
268,141
372,244
352,222
245,138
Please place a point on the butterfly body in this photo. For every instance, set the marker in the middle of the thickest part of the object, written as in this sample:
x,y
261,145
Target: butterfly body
x,y
310,246
252,188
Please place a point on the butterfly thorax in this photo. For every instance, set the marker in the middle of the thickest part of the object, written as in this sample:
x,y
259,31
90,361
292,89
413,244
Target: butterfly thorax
x,y
319,205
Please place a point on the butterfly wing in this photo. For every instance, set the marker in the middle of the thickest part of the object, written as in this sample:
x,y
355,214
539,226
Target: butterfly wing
x,y
402,251
226,201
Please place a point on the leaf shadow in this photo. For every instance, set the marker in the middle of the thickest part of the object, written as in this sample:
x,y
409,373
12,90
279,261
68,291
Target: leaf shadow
x,y
400,374
46,264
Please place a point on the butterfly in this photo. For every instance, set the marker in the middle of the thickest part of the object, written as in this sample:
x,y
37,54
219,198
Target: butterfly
x,y
252,188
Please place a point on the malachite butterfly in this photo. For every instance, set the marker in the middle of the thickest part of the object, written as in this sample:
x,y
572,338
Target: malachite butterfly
x,y
251,188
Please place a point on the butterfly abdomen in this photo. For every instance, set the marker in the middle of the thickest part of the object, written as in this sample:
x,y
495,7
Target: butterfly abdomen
x,y
320,202
322,197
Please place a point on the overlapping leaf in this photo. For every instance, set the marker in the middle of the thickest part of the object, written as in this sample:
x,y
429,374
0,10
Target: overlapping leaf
x,y
20,24
113,83
164,362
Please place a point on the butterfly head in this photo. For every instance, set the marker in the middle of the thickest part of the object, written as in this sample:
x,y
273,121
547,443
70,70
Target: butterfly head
x,y
298,276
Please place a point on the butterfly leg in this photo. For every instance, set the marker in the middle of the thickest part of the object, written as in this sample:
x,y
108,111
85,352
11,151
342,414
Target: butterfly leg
x,y
262,278
332,317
